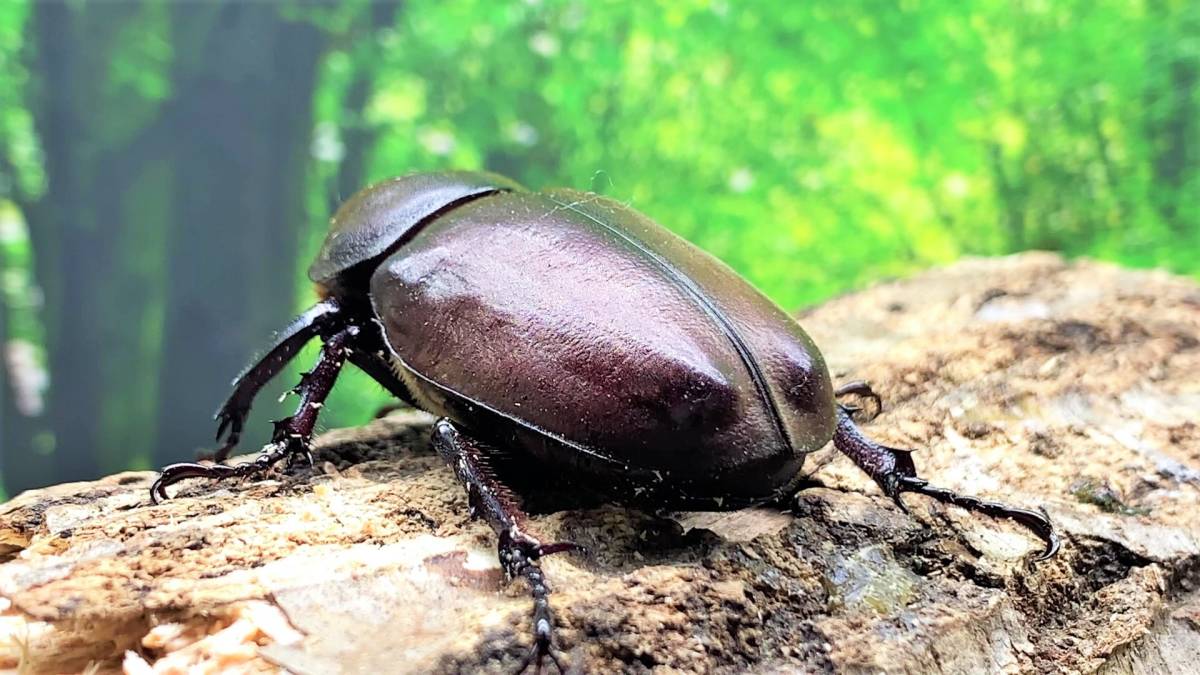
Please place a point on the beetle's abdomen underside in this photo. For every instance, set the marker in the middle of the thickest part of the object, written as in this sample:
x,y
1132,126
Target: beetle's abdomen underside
x,y
576,316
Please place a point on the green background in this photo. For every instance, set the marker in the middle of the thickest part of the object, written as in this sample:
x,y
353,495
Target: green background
x,y
167,169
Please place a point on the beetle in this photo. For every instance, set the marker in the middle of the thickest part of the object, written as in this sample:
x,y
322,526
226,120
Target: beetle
x,y
574,333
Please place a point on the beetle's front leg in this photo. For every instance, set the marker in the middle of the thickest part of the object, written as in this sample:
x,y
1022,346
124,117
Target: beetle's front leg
x,y
893,469
519,551
292,434
231,417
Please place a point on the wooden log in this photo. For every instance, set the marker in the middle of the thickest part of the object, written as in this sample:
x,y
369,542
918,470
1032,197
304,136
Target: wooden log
x,y
1028,379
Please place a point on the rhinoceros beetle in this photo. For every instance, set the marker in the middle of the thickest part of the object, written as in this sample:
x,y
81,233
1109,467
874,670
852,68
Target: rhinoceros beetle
x,y
571,331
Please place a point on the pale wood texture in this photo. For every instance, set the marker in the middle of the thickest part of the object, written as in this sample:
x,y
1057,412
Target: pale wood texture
x,y
1070,385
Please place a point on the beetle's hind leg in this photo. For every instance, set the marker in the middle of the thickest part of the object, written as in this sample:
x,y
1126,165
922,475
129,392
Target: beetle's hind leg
x,y
292,434
893,469
519,550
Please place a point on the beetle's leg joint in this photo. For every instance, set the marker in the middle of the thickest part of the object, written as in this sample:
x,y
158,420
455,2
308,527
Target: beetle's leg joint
x,y
1037,522
518,556
292,434
518,550
862,389
271,454
321,319
895,472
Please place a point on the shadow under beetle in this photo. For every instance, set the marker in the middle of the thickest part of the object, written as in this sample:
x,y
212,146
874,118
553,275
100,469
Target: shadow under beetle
x,y
574,332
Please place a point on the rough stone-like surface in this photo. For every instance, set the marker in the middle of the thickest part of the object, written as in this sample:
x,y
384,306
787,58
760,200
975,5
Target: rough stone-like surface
x,y
1027,379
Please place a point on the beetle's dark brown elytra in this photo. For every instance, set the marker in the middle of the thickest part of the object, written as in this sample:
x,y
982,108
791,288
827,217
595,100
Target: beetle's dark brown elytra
x,y
573,332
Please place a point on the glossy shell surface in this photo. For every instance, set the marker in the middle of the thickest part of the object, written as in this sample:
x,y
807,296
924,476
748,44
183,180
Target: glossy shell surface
x,y
603,339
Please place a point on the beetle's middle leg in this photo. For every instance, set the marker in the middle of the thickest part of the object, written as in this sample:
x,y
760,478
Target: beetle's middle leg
x,y
292,434
518,549
893,469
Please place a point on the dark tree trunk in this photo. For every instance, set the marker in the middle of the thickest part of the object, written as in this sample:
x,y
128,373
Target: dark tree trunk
x,y
214,176
19,423
357,139
1173,111
17,426
97,302
1011,200
358,136
56,121
8,440
244,79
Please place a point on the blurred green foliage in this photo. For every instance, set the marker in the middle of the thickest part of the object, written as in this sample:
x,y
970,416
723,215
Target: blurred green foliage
x,y
815,147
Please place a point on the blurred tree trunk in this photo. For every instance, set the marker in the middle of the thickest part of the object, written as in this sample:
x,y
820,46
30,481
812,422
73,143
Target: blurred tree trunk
x,y
86,233
1173,110
358,134
1012,202
5,396
9,442
50,99
165,241
244,78
18,426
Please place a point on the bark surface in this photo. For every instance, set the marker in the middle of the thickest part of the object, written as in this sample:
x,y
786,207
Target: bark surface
x,y
1074,386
